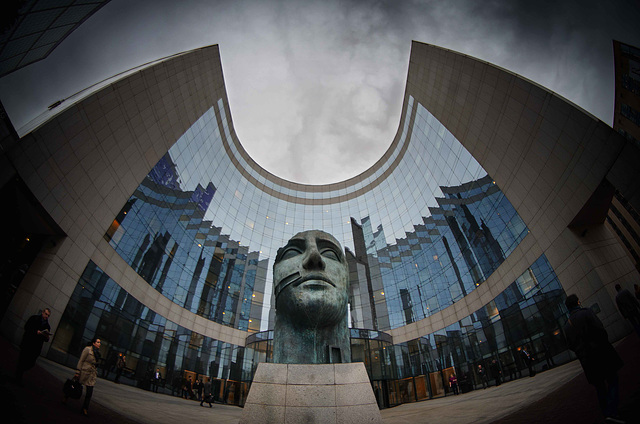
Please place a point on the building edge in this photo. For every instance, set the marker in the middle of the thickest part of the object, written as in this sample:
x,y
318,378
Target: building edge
x,y
547,155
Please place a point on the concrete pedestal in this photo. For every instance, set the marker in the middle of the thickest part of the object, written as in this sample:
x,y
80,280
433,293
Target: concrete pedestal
x,y
311,393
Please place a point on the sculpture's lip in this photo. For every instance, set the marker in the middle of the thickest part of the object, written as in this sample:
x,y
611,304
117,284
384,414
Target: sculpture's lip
x,y
314,277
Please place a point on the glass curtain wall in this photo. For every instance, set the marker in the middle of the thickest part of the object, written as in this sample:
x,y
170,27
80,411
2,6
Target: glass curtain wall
x,y
423,228
530,312
202,230
99,307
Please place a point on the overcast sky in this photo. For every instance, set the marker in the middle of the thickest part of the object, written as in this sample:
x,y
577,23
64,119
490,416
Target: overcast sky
x,y
315,88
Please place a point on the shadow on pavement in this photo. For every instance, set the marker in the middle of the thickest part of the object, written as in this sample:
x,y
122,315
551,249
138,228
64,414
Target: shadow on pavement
x,y
39,398
576,401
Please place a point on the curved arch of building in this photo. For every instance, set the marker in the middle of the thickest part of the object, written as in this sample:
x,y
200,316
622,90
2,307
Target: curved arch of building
x,y
548,157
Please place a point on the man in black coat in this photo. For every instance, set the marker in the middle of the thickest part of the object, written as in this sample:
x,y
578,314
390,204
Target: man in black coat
x,y
528,360
36,332
587,337
207,396
197,386
482,375
156,380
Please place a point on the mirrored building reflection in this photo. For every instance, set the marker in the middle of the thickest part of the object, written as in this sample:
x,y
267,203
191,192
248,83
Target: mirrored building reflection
x,y
462,241
450,227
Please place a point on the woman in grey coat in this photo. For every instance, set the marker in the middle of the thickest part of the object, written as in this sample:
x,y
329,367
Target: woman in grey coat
x,y
87,371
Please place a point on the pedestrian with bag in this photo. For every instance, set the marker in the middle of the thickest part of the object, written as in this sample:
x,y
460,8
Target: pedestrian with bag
x,y
208,396
87,371
589,340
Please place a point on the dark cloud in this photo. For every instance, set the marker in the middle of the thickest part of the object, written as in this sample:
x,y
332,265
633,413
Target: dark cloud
x,y
315,88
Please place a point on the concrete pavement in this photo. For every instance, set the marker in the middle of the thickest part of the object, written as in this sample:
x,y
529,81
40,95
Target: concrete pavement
x,y
557,395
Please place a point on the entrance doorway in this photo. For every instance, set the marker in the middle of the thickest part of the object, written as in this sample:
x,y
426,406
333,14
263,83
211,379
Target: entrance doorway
x,y
27,228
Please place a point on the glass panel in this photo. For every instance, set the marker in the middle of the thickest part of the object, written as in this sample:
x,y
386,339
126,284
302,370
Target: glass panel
x,y
200,232
437,385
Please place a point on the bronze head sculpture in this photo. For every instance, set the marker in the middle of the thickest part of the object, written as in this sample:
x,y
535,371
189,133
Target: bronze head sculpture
x,y
311,280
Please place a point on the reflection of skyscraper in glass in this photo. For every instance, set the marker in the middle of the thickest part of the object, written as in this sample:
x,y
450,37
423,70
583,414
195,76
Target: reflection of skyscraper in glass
x,y
166,260
447,268
164,173
453,252
153,257
365,280
626,119
623,217
202,196
407,306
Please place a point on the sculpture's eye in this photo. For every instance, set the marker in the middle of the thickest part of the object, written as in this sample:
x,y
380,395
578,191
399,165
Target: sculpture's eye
x,y
290,252
330,254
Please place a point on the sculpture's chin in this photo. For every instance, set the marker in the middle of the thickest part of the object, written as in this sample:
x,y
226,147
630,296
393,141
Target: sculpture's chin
x,y
313,308
321,314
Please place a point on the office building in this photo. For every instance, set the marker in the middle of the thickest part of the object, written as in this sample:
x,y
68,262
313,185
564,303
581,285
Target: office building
x,y
156,231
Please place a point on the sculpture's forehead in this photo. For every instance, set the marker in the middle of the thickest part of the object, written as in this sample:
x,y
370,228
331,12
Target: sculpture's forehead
x,y
316,235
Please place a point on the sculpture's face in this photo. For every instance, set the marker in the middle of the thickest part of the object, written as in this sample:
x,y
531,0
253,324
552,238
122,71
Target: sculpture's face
x,y
310,275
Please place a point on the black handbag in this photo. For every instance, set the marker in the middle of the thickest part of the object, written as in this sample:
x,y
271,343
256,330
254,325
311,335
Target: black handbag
x,y
72,388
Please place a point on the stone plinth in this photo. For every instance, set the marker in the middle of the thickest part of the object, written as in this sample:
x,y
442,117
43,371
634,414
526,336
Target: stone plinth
x,y
311,393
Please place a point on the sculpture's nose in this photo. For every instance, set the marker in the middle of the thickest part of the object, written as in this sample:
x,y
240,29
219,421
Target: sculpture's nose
x,y
313,261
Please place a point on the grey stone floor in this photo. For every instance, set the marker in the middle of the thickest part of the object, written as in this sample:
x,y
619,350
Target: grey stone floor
x,y
147,407
479,406
548,397
560,395
485,405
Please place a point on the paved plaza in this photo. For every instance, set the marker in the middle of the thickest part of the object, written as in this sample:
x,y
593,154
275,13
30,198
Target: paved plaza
x,y
560,395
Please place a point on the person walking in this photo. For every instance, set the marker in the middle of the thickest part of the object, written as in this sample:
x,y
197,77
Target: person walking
x,y
482,374
187,389
36,332
629,307
197,386
589,340
207,396
453,383
87,371
120,366
155,381
528,360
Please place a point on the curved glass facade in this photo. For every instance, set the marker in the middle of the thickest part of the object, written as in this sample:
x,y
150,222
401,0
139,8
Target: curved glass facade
x,y
163,229
530,311
426,227
99,305
422,229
